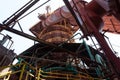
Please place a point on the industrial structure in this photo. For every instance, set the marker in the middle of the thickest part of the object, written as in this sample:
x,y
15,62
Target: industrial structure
x,y
57,56
6,54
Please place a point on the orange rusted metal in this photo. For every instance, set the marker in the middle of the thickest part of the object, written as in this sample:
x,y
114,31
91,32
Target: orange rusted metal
x,y
56,34
63,13
111,24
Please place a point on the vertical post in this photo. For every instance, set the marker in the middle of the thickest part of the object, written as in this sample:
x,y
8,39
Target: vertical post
x,y
22,71
8,76
92,58
67,77
26,78
38,76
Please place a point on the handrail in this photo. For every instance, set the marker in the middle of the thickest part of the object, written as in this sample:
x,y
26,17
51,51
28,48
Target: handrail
x,y
40,74
65,75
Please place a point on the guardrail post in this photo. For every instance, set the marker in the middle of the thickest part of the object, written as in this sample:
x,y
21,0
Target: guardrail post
x,y
26,78
38,76
67,77
22,71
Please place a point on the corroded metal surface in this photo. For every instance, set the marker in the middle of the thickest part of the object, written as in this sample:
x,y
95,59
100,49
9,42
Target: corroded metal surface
x,y
56,34
111,24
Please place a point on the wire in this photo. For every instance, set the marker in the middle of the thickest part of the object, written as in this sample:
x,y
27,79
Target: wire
x,y
33,10
110,43
17,12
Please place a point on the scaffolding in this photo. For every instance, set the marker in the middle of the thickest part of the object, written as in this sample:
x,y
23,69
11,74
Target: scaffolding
x,y
25,71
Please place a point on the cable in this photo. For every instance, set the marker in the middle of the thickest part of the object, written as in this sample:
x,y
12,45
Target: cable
x,y
33,10
17,12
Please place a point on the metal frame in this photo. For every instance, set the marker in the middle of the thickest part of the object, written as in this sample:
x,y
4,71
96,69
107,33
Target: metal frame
x,y
40,74
102,42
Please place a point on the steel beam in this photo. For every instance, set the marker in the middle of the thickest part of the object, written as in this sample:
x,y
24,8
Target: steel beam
x,y
34,38
17,15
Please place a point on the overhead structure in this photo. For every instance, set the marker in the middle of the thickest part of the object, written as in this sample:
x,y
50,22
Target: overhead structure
x,y
57,50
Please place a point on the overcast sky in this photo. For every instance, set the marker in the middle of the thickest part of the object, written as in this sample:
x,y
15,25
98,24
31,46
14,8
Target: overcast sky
x,y
8,7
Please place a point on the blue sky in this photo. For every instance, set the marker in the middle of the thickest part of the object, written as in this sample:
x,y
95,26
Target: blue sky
x,y
8,7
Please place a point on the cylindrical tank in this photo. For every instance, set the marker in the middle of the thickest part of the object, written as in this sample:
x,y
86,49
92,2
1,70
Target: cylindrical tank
x,y
56,33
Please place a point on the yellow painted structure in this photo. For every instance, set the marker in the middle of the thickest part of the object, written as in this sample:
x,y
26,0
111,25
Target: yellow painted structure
x,y
41,75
